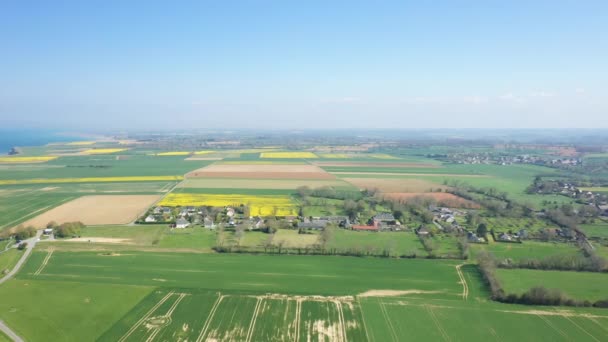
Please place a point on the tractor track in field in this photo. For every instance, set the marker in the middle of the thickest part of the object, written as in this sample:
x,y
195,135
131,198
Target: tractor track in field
x,y
463,281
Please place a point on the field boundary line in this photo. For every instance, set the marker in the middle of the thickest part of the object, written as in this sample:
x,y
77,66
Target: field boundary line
x,y
551,325
297,321
581,328
341,318
463,281
363,319
210,318
144,317
167,316
388,320
592,319
253,320
45,261
445,336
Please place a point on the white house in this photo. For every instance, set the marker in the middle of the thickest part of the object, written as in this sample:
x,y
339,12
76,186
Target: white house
x,y
150,218
181,223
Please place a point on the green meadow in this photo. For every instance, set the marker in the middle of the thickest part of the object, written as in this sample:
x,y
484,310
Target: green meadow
x,y
590,286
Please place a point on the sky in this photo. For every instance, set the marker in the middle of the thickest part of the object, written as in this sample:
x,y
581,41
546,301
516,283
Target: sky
x,y
147,65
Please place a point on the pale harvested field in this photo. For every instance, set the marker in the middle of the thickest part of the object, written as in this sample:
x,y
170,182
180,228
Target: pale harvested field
x,y
446,199
377,164
263,171
394,185
91,210
229,183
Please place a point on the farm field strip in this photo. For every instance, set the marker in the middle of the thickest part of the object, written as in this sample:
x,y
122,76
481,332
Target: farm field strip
x,y
101,209
276,205
286,184
25,160
14,212
89,180
288,155
332,276
266,317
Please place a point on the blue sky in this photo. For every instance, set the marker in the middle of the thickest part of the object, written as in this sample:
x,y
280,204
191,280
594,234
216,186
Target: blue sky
x,y
283,64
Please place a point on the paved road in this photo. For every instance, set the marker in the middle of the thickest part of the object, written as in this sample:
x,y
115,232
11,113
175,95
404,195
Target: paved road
x,y
31,243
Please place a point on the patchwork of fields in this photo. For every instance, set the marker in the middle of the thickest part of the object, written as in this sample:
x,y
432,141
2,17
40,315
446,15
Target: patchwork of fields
x,y
174,296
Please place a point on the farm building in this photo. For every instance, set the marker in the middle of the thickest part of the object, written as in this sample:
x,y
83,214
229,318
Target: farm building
x,y
182,223
374,227
150,219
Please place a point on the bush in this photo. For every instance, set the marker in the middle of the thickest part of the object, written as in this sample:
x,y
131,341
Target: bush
x,y
68,229
22,246
25,233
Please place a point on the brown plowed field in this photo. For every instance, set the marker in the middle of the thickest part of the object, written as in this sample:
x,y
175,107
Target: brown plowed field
x,y
394,185
92,210
446,199
261,171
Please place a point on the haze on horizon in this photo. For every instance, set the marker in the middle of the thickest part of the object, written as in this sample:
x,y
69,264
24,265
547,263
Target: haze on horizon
x,y
315,64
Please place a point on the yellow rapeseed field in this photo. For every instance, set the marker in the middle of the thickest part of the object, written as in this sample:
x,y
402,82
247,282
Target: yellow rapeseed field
x,y
39,159
258,205
90,180
104,150
81,143
203,152
174,153
288,155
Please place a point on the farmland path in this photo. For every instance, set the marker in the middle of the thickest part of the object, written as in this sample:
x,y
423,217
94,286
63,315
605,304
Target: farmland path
x,y
8,332
31,243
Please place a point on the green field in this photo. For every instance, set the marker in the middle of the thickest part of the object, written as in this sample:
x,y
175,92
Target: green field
x,y
9,258
599,229
577,285
397,243
301,275
65,311
17,206
198,297
103,166
525,250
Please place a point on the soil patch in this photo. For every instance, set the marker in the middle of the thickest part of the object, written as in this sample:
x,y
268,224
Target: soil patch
x,y
94,210
393,293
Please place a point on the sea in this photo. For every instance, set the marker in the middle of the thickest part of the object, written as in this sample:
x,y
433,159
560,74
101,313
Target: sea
x,y
12,138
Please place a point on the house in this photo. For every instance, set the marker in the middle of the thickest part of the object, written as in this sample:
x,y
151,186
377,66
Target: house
x,y
365,228
157,211
182,223
230,212
422,231
314,223
258,223
47,231
208,222
505,237
384,217
472,237
374,227
150,219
